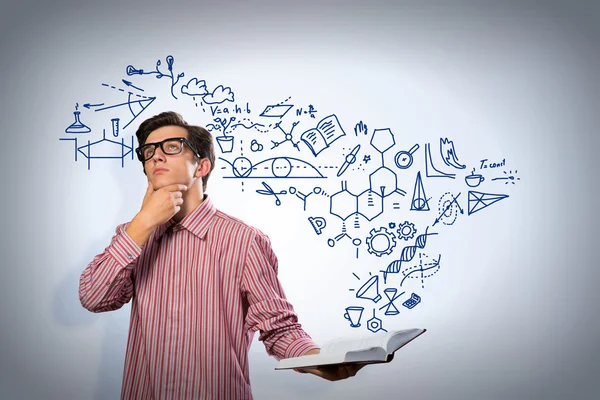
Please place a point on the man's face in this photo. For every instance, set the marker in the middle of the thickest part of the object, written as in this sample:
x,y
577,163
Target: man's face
x,y
164,169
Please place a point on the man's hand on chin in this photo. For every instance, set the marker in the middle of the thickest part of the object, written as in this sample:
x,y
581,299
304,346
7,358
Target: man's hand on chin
x,y
332,372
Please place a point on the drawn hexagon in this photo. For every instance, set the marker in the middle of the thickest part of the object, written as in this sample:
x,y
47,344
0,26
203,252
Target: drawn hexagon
x,y
342,204
370,204
384,178
382,140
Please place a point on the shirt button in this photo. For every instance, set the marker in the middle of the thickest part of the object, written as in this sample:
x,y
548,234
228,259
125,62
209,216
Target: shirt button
x,y
129,257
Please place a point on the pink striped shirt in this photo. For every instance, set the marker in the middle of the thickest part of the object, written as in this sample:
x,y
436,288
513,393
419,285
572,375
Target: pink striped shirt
x,y
200,290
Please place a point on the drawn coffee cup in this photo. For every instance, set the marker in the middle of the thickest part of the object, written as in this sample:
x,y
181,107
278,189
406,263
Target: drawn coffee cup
x,y
474,180
353,315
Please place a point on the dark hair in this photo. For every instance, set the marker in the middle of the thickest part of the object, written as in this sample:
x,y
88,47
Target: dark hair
x,y
200,139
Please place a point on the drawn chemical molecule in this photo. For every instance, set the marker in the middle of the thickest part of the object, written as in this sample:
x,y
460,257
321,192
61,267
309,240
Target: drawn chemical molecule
x,y
287,136
375,324
316,190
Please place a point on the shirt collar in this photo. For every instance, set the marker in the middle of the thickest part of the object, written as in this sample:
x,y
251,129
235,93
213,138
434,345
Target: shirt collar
x,y
197,222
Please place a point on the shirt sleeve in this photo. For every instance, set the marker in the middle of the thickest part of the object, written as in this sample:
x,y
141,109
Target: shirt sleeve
x,y
269,311
106,283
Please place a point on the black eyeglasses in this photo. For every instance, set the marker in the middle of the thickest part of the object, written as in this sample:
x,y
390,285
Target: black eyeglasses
x,y
169,146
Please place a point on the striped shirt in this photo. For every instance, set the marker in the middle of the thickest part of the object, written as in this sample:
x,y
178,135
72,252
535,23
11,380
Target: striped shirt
x,y
199,289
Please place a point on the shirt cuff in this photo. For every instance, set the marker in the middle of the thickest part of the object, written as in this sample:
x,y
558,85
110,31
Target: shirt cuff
x,y
300,346
124,249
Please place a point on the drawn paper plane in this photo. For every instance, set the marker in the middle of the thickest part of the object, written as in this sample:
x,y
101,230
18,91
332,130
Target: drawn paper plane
x,y
136,107
478,200
276,110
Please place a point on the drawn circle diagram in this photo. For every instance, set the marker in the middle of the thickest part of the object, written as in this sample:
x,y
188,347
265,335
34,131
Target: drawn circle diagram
x,y
281,167
447,209
242,167
276,167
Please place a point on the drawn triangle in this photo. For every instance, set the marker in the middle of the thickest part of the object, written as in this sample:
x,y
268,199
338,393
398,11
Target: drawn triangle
x,y
478,200
419,200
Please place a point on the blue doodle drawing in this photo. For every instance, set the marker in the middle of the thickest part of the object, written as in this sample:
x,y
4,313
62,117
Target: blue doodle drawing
x,y
449,154
327,131
311,111
270,192
194,87
316,190
276,110
430,170
353,314
375,324
361,128
349,159
277,167
447,212
404,159
380,241
255,146
219,95
407,254
355,241
104,149
135,107
406,230
287,136
392,295
509,178
131,70
318,224
473,179
77,126
412,301
432,268
419,202
370,290
478,200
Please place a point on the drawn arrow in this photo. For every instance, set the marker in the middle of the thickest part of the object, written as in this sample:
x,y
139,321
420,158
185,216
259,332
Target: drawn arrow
x,y
88,105
447,207
131,84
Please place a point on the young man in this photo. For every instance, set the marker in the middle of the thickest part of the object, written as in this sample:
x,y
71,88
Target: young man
x,y
202,282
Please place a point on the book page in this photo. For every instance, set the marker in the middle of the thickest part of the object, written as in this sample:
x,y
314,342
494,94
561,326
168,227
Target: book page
x,y
344,345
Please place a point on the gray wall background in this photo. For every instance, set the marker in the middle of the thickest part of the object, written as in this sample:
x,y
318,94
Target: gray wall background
x,y
515,315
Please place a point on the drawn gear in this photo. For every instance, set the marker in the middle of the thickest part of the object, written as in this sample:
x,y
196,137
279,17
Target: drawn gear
x,y
380,236
406,230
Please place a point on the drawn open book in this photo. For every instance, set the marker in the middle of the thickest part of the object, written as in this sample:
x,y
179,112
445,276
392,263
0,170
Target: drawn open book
x,y
377,348
328,130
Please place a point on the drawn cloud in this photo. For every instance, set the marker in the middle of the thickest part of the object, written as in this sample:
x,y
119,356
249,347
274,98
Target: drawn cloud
x,y
194,87
219,95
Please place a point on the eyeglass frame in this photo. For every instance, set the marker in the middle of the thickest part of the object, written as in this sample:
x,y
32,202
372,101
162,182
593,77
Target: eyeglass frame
x,y
160,144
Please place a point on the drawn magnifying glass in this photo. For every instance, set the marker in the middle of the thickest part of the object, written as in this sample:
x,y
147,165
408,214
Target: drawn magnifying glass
x,y
404,159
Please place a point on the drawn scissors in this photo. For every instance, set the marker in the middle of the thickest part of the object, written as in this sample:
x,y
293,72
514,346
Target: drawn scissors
x,y
270,192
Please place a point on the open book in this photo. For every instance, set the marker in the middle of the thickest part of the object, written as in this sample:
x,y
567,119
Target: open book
x,y
328,130
378,348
